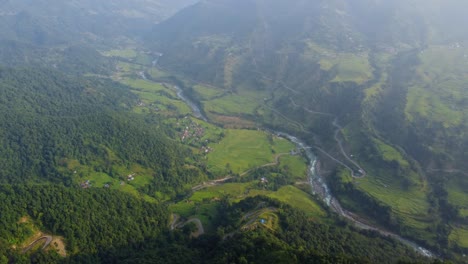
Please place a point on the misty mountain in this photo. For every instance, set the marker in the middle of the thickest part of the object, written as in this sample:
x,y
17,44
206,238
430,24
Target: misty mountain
x,y
332,51
262,26
53,22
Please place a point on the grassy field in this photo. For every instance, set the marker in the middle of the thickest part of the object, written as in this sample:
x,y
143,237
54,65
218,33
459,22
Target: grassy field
x,y
241,150
298,199
296,165
459,236
241,102
233,104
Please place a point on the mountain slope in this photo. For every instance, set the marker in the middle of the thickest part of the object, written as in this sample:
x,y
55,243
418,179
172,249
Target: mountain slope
x,y
51,121
54,22
369,66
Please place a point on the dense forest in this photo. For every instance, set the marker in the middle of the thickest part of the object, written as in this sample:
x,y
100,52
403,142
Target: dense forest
x,y
90,220
112,227
50,118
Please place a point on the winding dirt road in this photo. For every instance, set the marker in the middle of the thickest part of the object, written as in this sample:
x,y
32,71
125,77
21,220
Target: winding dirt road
x,y
198,223
48,240
211,183
175,219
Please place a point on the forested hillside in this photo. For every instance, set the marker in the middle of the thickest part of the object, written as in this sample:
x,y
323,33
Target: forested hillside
x,y
89,221
108,227
50,119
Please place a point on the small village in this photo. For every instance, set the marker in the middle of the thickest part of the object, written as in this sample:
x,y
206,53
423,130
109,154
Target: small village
x,y
192,133
87,184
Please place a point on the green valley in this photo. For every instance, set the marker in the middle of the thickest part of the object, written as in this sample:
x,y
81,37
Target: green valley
x,y
227,131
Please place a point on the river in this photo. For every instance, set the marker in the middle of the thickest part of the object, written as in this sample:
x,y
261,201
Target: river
x,y
318,184
320,188
180,93
195,109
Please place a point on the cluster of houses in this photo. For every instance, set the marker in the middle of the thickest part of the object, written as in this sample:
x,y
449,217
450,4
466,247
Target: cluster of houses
x,y
191,131
87,184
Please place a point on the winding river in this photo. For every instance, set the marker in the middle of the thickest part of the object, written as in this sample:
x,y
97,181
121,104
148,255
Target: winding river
x,y
195,109
319,186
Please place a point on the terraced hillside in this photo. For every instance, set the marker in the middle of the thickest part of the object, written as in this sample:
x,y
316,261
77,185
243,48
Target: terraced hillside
x,y
393,90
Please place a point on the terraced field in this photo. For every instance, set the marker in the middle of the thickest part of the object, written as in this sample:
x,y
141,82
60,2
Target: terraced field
x,y
349,67
408,202
440,93
459,236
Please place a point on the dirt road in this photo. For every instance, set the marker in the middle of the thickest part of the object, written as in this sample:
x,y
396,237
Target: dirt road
x,y
48,240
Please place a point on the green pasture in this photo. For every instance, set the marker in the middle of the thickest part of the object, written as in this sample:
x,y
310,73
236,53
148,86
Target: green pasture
x,y
241,150
296,165
298,199
242,102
